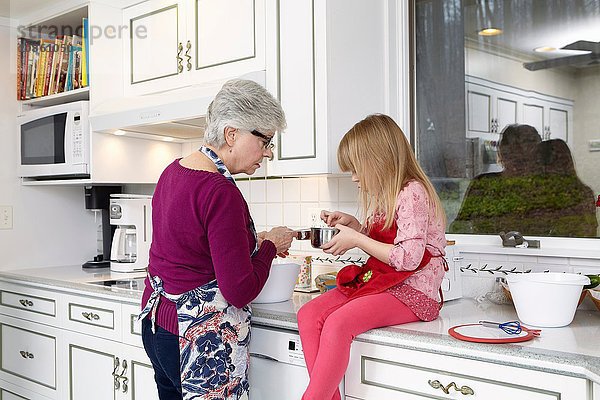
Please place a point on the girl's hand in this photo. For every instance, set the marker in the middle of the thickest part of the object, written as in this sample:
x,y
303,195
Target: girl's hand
x,y
346,239
332,218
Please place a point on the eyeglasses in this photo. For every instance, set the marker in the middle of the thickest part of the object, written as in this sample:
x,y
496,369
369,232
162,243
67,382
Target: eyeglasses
x,y
267,140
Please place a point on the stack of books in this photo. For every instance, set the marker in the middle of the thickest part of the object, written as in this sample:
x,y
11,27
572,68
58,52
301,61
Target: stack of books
x,y
47,66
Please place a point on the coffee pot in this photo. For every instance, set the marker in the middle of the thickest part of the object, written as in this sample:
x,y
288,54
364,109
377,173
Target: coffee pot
x,y
132,215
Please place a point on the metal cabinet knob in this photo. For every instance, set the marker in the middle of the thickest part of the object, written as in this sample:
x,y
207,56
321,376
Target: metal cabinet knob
x,y
465,390
26,303
179,59
90,316
26,354
187,55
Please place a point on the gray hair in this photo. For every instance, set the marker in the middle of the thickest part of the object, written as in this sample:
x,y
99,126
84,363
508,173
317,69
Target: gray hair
x,y
242,104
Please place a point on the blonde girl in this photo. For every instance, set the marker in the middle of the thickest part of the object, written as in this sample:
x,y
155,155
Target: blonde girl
x,y
402,230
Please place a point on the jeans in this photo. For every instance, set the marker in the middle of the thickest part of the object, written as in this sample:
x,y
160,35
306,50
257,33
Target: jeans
x,y
163,350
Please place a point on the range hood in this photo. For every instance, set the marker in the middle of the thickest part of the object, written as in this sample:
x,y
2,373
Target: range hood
x,y
175,115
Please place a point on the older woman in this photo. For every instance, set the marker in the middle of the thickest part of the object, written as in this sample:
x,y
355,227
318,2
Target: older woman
x,y
206,261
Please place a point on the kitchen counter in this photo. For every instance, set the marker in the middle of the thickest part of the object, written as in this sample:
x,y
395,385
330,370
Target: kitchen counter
x,y
571,350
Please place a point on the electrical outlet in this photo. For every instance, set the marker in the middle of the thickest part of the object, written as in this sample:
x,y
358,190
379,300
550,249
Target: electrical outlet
x,y
6,217
315,218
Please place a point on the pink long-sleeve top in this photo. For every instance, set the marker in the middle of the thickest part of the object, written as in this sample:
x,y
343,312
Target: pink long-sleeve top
x,y
418,229
200,224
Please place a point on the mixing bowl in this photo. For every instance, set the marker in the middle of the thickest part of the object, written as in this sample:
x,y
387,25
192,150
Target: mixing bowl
x,y
280,284
546,299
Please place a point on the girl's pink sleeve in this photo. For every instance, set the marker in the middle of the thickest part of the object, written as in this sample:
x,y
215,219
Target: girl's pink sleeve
x,y
412,218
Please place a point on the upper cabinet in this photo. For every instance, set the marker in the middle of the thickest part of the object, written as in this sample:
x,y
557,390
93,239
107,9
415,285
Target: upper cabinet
x,y
331,63
174,44
492,106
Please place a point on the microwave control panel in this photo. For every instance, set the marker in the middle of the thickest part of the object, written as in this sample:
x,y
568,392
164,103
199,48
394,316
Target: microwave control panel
x,y
78,149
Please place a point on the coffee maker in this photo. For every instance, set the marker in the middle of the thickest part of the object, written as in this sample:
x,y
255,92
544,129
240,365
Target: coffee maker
x,y
132,215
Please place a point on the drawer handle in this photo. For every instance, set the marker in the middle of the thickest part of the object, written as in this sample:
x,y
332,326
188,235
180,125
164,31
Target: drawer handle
x,y
179,59
26,303
187,55
26,354
90,316
438,385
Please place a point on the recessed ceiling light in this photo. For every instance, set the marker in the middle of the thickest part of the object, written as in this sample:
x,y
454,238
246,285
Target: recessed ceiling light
x,y
119,132
168,139
544,49
490,32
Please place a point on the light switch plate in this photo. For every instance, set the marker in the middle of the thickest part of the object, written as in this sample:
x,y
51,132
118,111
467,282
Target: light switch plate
x,y
6,217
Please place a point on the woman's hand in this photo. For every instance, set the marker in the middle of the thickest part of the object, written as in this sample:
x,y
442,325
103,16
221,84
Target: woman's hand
x,y
281,237
332,218
346,239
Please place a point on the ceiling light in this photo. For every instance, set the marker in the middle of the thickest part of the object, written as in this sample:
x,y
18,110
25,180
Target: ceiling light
x,y
544,49
490,32
168,139
119,132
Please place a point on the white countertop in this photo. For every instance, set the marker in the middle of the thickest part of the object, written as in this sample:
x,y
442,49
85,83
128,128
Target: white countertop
x,y
571,350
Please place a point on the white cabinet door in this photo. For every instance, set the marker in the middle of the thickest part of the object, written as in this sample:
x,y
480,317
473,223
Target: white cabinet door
x,y
226,38
479,110
154,51
331,74
596,394
90,371
296,80
533,114
119,371
489,110
558,124
141,375
507,109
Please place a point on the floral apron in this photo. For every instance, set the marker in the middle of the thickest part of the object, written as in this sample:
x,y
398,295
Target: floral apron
x,y
213,334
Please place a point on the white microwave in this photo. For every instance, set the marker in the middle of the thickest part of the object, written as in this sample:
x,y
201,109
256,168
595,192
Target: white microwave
x,y
54,142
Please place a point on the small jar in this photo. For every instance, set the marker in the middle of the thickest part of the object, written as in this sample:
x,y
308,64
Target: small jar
x,y
304,280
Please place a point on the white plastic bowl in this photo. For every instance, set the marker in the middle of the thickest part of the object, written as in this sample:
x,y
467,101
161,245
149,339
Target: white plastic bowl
x,y
546,299
280,284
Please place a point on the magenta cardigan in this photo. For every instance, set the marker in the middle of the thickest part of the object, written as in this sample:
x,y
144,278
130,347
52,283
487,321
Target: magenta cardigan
x,y
200,224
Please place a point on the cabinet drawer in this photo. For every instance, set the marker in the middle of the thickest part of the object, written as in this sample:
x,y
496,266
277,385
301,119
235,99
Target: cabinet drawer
x,y
94,316
34,304
6,395
28,355
132,328
382,372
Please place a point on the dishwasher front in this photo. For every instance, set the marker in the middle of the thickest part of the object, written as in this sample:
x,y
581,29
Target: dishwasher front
x,y
277,369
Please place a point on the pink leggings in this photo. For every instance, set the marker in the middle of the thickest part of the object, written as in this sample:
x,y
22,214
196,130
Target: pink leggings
x,y
327,327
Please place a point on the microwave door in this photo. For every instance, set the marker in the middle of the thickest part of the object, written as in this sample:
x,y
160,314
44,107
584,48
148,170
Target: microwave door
x,y
43,140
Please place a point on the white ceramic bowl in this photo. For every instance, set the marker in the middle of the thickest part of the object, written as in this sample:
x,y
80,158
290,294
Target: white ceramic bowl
x,y
280,284
546,299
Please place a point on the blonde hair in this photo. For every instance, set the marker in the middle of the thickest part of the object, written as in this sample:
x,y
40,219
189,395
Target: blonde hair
x,y
376,150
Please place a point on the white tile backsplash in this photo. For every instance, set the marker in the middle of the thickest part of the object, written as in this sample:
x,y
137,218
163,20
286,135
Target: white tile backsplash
x,y
348,190
291,215
328,189
258,190
274,190
259,214
309,190
274,214
291,190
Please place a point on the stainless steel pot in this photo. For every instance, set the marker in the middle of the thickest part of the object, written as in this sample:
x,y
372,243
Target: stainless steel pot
x,y
317,236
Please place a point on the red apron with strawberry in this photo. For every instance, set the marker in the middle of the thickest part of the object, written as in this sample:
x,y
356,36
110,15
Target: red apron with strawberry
x,y
376,276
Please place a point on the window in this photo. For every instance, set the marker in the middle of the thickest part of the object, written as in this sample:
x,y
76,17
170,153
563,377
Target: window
x,y
507,121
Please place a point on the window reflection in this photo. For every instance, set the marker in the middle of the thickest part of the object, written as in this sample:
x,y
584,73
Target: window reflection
x,y
540,68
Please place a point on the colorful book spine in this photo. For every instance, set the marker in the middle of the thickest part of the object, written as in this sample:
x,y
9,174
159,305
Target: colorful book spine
x,y
19,66
85,54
